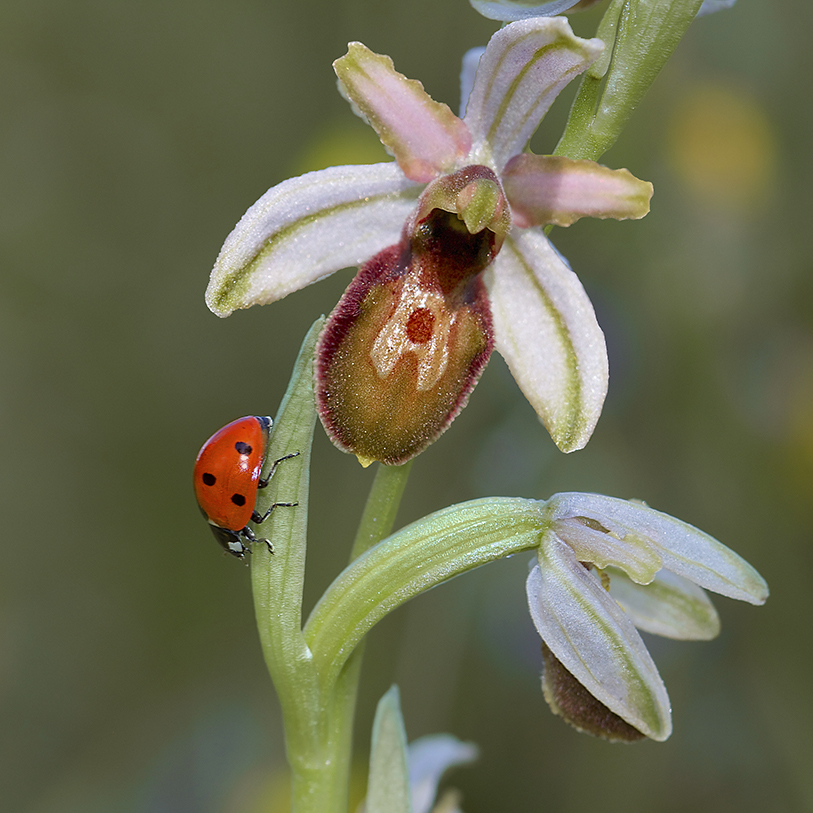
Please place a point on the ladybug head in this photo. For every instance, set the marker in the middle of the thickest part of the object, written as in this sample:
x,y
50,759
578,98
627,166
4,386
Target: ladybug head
x,y
230,541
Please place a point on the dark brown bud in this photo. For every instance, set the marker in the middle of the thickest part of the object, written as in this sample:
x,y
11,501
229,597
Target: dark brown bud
x,y
575,705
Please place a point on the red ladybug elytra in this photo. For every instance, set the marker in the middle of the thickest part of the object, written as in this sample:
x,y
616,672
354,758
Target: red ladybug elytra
x,y
227,476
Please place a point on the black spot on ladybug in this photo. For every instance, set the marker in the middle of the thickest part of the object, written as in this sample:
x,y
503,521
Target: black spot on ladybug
x,y
242,448
208,478
238,499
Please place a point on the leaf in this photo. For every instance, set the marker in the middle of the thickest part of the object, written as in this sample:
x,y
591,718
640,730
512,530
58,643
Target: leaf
x,y
388,782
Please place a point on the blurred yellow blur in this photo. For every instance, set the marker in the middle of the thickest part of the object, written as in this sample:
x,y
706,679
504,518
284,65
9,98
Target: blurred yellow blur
x,y
721,145
349,141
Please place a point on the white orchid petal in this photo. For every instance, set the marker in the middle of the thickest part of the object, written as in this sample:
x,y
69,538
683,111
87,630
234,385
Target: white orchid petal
x,y
546,330
685,550
546,189
594,640
306,228
632,554
425,137
429,758
508,10
524,67
670,606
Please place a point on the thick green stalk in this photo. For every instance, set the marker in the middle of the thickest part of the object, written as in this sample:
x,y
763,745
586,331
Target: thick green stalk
x,y
278,580
640,35
376,523
318,724
381,507
411,561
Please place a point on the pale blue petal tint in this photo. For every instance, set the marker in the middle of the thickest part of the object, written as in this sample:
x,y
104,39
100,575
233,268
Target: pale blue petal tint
x,y
670,606
306,228
595,640
429,758
509,10
471,59
715,5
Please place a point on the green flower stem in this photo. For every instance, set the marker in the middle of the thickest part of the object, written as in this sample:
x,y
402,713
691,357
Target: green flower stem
x,y
318,725
278,579
645,33
376,523
408,563
381,507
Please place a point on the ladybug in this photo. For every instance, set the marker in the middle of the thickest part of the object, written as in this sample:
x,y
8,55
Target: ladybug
x,y
227,476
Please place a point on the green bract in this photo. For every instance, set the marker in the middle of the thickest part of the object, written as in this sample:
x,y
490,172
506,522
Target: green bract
x,y
641,35
405,779
388,782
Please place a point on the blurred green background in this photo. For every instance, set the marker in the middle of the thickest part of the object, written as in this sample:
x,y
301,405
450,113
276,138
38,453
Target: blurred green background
x,y
133,135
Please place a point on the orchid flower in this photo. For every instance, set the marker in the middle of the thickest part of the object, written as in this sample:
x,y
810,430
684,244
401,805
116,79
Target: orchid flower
x,y
606,566
454,261
507,10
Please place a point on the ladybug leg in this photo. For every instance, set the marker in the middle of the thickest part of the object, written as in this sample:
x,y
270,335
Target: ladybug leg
x,y
258,518
263,482
249,535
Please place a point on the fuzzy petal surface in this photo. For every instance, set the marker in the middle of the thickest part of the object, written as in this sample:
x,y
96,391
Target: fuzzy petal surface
x,y
425,137
684,549
594,640
306,228
670,606
524,67
546,189
398,359
572,702
546,330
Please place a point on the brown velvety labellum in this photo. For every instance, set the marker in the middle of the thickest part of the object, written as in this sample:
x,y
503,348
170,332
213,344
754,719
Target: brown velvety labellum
x,y
569,699
407,342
